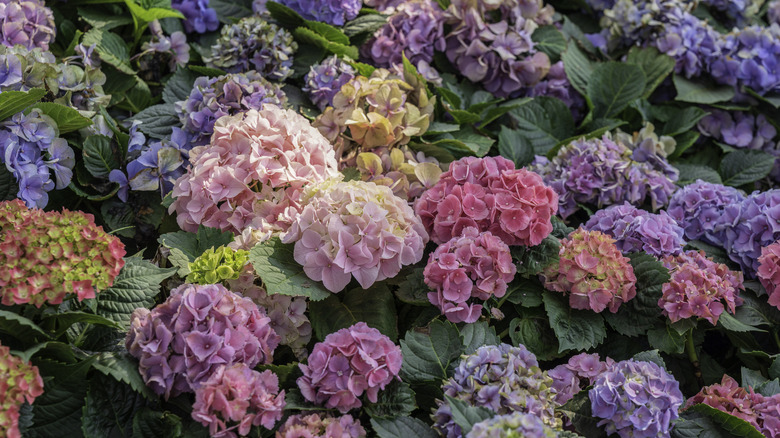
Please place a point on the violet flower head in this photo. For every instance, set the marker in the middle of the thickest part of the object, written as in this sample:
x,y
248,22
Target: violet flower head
x,y
692,42
739,129
773,12
28,23
198,16
631,22
172,50
347,364
20,383
325,79
579,373
638,230
769,272
757,226
335,12
749,59
556,84
321,426
705,210
514,425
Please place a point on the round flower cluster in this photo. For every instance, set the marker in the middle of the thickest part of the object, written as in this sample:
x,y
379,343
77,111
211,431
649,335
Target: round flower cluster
x,y
198,16
30,147
636,399
217,265
46,255
253,172
749,59
514,425
19,383
407,173
769,272
235,398
503,378
490,43
592,271
475,265
336,12
231,94
693,43
739,129
704,210
22,69
638,230
254,44
358,229
321,426
577,374
491,195
640,21
556,84
26,22
699,287
348,363
757,226
182,342
325,79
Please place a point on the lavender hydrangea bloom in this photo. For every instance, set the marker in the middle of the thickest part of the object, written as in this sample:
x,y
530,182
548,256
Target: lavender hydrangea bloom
x,y
514,425
639,230
324,80
198,16
171,50
578,373
10,71
636,399
640,21
692,42
557,85
704,210
773,12
739,129
757,226
26,22
336,12
749,59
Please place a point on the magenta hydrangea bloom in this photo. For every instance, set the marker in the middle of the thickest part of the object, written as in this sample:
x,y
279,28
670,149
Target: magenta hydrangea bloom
x,y
355,229
347,364
491,195
769,272
20,383
321,426
181,343
26,22
699,287
236,398
577,374
253,172
476,265
705,210
638,230
325,80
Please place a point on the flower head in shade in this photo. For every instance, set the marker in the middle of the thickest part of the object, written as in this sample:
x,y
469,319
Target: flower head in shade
x,y
254,44
769,272
325,79
514,425
170,50
757,226
739,129
640,21
347,364
638,230
491,195
490,43
46,255
321,426
335,12
217,265
503,378
735,12
406,173
556,84
577,374
704,210
20,383
592,271
748,59
474,265
355,229
692,42
636,399
26,22
773,12
384,6
198,16
22,69
235,398
699,288
184,341
253,172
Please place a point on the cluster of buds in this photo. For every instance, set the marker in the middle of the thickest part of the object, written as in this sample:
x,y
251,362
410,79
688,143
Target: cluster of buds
x,y
216,265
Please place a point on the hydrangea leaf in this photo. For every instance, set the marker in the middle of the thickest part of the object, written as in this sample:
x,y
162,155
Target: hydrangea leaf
x,y
579,411
544,122
736,426
157,121
526,292
728,322
287,17
467,416
682,120
122,367
402,427
179,86
148,423
689,173
744,167
193,245
575,329
20,327
281,274
532,260
58,411
579,68
513,145
549,40
429,355
103,19
63,321
613,86
701,91
533,331
641,313
374,306
308,36
229,11
396,400
666,339
110,408
476,335
12,102
99,157
67,118
111,48
655,65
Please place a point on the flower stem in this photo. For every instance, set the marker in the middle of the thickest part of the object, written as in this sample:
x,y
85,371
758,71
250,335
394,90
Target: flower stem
x,y
777,338
690,348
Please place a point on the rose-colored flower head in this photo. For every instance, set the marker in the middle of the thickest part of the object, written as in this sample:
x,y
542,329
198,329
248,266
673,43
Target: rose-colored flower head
x,y
235,398
579,373
592,271
253,172
181,343
407,173
699,287
476,265
491,195
321,426
355,229
769,272
26,22
348,363
20,382
46,255
638,230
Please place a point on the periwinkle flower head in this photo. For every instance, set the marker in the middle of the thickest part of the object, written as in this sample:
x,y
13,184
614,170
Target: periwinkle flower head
x,y
184,341
355,229
321,426
335,12
46,255
198,16
217,265
769,272
235,398
474,265
699,287
503,378
556,84
348,363
592,272
636,399
325,79
704,210
253,172
577,374
514,425
641,21
491,195
28,23
638,230
20,382
739,129
254,44
757,226
749,59
692,42
22,69
407,173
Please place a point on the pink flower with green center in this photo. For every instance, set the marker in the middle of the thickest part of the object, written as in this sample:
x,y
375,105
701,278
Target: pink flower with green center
x,y
20,382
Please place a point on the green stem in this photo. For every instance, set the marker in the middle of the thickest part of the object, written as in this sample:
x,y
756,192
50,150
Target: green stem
x,y
502,334
690,348
777,338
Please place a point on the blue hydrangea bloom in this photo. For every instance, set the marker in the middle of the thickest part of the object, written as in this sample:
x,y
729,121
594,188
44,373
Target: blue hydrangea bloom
x,y
335,12
198,16
325,79
757,226
639,230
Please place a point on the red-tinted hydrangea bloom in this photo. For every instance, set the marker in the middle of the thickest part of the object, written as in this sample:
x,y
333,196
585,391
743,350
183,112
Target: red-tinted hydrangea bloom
x,y
321,426
19,383
769,272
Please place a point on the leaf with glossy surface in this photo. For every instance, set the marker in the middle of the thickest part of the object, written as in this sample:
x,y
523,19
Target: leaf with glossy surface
x,y
12,102
701,92
429,355
396,400
67,119
613,86
402,427
99,157
274,263
575,329
374,306
744,167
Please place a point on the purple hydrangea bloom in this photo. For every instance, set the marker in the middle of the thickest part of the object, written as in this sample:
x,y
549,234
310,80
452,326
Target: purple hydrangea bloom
x,y
757,226
639,230
324,80
516,424
773,12
198,16
557,85
26,22
173,49
385,6
739,129
321,426
10,71
641,21
692,42
335,12
578,373
704,210
636,399
749,59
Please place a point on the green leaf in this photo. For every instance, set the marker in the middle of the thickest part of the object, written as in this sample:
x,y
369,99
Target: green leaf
x,y
650,356
308,36
102,19
229,11
513,145
579,68
12,102
641,313
655,65
195,244
281,274
68,119
374,306
575,329
285,16
402,427
179,86
157,121
362,69
684,142
774,369
667,340
109,409
532,260
734,425
429,355
328,32
8,185
744,167
533,331
211,72
755,311
121,366
752,378
57,412
701,92
151,14
365,24
99,157
111,49
148,423
63,321
525,291
682,120
21,328
476,335
396,400
544,122
467,416
613,86
549,40
579,411
689,173
731,323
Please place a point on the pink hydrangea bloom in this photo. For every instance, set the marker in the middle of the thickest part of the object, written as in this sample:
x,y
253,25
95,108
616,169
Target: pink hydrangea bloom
x,y
182,342
20,382
579,373
235,398
476,265
348,363
355,229
489,194
699,287
321,426
769,272
253,172
593,271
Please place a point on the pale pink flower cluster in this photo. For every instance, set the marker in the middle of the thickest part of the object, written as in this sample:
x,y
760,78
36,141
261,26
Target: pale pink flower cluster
x,y
253,172
355,229
769,272
476,265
